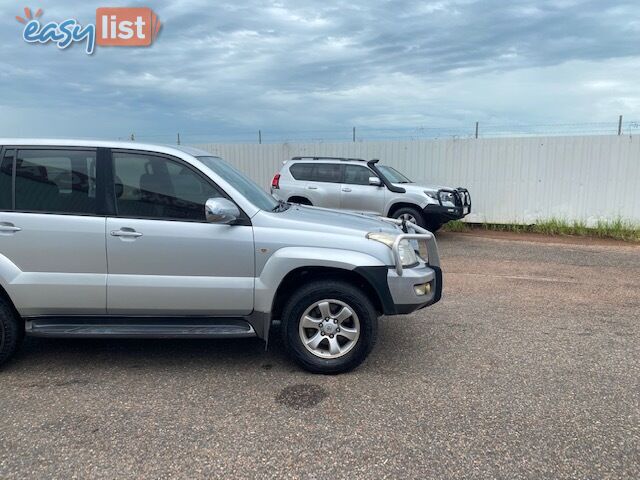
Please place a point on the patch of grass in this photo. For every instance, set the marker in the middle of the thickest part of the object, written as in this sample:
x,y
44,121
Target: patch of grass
x,y
456,226
618,229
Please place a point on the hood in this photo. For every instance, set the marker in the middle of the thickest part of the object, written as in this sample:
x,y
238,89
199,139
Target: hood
x,y
419,187
316,219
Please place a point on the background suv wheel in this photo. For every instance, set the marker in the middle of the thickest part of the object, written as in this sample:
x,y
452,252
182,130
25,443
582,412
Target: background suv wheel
x,y
410,214
329,326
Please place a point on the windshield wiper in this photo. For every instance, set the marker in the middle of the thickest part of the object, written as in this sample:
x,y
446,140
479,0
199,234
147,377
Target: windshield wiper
x,y
281,206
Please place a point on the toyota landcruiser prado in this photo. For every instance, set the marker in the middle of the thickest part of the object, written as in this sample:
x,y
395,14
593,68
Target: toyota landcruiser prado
x,y
368,187
121,239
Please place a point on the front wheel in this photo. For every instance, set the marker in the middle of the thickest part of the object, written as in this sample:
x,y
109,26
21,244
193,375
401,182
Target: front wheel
x,y
410,214
329,326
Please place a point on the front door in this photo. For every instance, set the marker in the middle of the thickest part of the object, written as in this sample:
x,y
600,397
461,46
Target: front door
x,y
52,250
356,194
163,257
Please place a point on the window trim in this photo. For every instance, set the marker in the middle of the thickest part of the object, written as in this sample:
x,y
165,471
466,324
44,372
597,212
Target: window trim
x,y
243,220
18,148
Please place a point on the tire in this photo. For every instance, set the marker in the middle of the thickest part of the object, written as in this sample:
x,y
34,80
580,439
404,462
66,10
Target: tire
x,y
354,348
408,212
300,201
432,225
11,331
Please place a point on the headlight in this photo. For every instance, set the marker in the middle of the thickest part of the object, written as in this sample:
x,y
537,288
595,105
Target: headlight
x,y
405,249
447,199
407,253
433,195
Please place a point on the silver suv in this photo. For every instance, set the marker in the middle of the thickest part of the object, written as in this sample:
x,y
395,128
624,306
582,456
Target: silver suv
x,y
365,186
119,239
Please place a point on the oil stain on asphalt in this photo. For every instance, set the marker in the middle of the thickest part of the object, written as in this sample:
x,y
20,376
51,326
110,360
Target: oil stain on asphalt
x,y
301,396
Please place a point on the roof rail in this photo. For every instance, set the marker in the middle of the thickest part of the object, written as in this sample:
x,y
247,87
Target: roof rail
x,y
342,159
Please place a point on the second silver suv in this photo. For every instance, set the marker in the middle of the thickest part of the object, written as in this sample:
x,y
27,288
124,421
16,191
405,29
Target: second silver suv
x,y
367,187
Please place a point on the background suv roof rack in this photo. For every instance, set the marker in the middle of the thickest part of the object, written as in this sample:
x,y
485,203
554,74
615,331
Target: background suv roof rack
x,y
343,159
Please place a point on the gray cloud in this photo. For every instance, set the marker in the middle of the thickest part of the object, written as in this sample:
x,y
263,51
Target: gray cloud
x,y
228,69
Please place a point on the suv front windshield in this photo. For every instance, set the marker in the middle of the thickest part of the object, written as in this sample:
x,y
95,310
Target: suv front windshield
x,y
393,175
241,183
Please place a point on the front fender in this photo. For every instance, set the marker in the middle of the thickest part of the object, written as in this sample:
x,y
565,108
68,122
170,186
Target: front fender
x,y
288,259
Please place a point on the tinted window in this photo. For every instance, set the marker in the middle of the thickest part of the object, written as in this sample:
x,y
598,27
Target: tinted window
x,y
154,187
6,169
327,172
302,171
57,181
357,175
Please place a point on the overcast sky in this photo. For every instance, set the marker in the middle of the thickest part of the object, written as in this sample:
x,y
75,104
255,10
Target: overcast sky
x,y
293,68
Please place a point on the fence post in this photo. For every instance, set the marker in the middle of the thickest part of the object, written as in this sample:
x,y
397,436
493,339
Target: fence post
x,y
259,136
178,139
477,129
354,134
620,125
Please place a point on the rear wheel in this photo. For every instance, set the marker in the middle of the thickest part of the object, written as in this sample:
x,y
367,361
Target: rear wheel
x,y
11,331
329,326
300,201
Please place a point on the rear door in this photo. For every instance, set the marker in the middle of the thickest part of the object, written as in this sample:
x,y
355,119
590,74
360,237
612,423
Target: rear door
x,y
52,252
323,188
163,257
356,194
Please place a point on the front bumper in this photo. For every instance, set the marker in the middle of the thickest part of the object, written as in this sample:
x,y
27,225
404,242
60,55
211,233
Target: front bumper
x,y
461,209
396,285
402,288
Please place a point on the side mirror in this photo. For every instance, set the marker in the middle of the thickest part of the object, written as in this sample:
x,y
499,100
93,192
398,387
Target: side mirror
x,y
220,210
375,181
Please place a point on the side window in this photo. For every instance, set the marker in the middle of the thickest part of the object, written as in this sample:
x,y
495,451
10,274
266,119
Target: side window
x,y
56,181
6,188
327,172
155,187
302,171
357,175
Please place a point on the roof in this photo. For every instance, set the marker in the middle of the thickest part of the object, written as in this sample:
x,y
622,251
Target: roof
x,y
340,159
131,145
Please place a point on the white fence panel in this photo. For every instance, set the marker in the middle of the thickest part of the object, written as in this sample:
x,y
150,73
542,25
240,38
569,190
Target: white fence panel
x,y
519,180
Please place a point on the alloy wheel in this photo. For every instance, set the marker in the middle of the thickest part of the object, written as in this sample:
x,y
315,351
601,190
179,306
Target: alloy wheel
x,y
329,328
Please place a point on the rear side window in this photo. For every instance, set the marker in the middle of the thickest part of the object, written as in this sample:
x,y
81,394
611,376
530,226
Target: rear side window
x,y
357,175
56,181
327,172
6,172
302,171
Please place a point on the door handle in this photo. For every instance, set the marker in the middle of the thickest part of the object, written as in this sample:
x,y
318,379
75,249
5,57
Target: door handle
x,y
312,187
125,232
346,189
8,227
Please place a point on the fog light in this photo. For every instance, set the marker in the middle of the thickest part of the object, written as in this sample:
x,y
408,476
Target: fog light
x,y
422,289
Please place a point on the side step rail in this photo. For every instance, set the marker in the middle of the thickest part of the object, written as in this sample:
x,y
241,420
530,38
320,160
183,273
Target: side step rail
x,y
121,327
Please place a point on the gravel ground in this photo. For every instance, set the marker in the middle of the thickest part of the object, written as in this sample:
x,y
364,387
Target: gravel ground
x,y
528,368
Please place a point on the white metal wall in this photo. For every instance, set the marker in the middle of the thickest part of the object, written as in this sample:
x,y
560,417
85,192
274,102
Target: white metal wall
x,y
519,180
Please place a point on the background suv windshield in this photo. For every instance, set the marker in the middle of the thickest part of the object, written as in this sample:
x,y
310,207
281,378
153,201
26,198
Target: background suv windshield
x,y
393,175
243,184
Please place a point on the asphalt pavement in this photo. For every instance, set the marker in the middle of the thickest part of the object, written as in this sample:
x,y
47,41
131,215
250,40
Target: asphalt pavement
x,y
529,367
